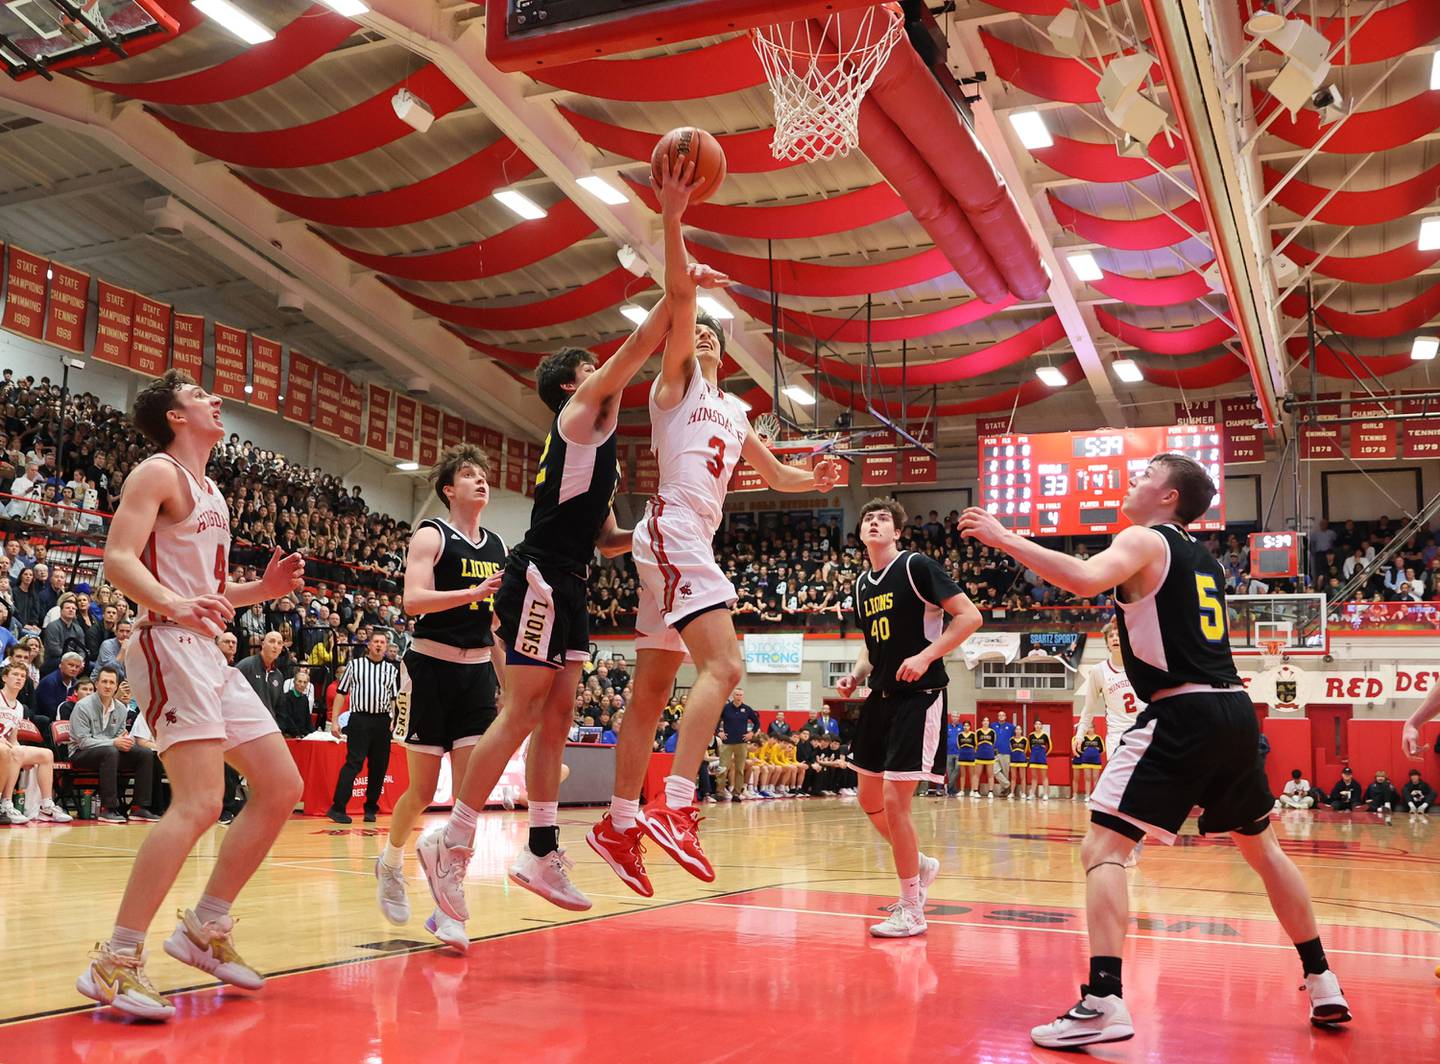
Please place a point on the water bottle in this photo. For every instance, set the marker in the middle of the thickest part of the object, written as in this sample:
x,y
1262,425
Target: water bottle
x,y
20,801
87,805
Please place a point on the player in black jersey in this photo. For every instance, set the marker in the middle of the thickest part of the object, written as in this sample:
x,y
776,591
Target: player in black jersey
x,y
452,570
900,606
1197,743
541,606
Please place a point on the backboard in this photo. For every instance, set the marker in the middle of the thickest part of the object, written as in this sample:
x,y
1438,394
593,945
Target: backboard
x,y
40,36
1297,622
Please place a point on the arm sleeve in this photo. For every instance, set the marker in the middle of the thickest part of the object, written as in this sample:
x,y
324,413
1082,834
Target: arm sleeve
x,y
931,583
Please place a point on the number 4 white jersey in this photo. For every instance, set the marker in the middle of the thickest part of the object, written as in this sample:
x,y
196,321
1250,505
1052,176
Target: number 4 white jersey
x,y
190,557
697,445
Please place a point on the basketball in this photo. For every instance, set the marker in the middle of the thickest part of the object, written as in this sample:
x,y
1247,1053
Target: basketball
x,y
690,144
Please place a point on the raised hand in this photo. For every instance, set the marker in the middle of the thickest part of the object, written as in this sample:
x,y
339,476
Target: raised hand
x,y
707,276
976,523
283,574
675,186
828,473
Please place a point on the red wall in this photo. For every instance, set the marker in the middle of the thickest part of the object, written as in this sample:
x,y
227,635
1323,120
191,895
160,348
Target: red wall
x,y
1290,748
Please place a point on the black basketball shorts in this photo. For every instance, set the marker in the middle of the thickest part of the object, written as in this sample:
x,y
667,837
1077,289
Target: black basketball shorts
x,y
450,703
901,736
1198,749
543,615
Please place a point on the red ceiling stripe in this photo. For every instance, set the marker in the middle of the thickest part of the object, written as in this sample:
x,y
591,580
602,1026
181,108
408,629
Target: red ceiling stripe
x,y
809,279
1030,391
1166,341
591,298
1370,207
368,125
1219,370
1385,267
1052,77
1407,317
517,247
1379,129
467,182
1127,234
314,32
853,330
965,367
1087,160
1342,364
1153,291
1400,28
745,153
786,221
729,66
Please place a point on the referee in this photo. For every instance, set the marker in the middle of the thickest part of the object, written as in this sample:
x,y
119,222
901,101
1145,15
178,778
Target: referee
x,y
372,684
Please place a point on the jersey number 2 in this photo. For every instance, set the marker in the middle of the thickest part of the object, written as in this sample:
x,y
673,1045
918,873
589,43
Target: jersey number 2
x,y
1212,611
716,462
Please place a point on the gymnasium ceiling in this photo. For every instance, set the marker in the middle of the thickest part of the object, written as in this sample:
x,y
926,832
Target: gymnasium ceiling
x,y
88,174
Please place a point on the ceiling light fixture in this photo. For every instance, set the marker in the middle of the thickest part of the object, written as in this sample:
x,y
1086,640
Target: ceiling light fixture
x,y
1435,73
234,20
407,467
1429,234
1051,376
635,312
249,389
601,190
712,306
1424,348
1128,370
1119,90
521,204
1031,129
1084,266
799,393
348,8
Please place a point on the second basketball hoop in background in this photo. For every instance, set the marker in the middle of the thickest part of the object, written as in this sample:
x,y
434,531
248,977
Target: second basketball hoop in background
x,y
689,144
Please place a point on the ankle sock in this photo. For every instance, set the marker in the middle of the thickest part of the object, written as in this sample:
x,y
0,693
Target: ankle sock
x,y
622,812
1105,977
393,856
210,908
126,940
910,890
1312,956
679,792
460,831
544,835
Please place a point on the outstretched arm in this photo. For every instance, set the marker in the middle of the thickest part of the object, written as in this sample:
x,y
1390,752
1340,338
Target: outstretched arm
x,y
1131,550
781,477
965,620
674,189
596,404
1410,734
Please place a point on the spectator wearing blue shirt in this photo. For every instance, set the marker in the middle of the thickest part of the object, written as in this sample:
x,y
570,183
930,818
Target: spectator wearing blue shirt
x,y
737,720
823,724
52,691
952,754
1004,732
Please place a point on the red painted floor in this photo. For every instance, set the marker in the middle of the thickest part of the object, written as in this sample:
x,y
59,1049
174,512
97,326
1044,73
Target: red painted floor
x,y
781,974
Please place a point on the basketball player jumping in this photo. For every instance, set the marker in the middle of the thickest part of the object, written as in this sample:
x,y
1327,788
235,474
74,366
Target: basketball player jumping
x,y
698,434
1108,691
1196,743
900,605
451,571
541,603
168,550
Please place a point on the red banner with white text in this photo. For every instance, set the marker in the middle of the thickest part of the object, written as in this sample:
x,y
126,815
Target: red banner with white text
x,y
265,373
406,415
232,362
1374,440
114,319
514,465
67,309
429,434
452,430
24,293
352,408
150,337
1422,435
327,400
300,389
377,429
187,345
1244,431
1319,441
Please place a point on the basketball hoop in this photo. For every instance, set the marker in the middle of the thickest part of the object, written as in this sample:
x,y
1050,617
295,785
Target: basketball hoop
x,y
819,76
767,427
1272,653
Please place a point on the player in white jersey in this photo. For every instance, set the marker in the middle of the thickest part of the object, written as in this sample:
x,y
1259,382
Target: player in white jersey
x,y
1108,691
698,434
168,550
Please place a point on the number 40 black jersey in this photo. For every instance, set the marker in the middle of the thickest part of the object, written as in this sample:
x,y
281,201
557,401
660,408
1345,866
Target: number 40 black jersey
x,y
898,609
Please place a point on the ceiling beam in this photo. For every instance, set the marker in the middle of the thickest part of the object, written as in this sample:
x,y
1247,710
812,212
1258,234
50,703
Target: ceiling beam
x,y
71,187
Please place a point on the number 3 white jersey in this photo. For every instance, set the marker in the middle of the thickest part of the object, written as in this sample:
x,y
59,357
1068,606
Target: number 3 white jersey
x,y
1108,685
192,556
697,445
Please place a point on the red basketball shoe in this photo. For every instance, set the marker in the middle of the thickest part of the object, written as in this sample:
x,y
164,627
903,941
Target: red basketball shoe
x,y
623,851
677,832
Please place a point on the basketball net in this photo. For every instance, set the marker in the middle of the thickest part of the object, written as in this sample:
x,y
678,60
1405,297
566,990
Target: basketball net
x,y
1272,653
820,75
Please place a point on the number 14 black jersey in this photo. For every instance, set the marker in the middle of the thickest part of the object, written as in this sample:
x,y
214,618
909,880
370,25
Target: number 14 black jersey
x,y
898,610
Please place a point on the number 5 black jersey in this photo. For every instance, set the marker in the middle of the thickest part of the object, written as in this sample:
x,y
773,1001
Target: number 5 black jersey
x,y
1179,633
898,610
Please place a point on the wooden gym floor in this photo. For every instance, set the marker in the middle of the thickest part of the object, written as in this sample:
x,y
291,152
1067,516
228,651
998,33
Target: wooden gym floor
x,y
770,961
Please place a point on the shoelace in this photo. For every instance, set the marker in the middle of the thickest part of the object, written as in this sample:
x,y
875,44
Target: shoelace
x,y
560,863
458,866
134,964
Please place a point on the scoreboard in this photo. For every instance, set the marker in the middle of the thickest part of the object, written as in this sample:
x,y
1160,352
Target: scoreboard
x,y
1072,483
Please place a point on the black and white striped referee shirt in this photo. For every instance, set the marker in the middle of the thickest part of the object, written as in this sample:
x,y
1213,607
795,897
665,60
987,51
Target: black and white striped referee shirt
x,y
371,685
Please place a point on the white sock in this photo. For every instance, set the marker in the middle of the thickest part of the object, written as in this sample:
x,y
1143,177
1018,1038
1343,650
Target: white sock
x,y
544,814
910,890
622,812
393,856
460,831
125,940
679,792
210,909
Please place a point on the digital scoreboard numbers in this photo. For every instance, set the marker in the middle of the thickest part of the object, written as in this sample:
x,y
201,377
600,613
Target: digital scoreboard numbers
x,y
1073,483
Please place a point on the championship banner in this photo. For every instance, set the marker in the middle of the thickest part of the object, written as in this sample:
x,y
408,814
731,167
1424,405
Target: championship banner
x,y
114,318
327,400
622,462
647,471
429,434
920,468
774,651
1244,436
407,412
514,465
1373,439
377,430
474,434
300,389
879,469
24,294
67,309
1422,436
993,426
150,337
232,362
352,406
532,467
265,373
745,478
1201,412
493,444
1321,442
187,344
452,429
